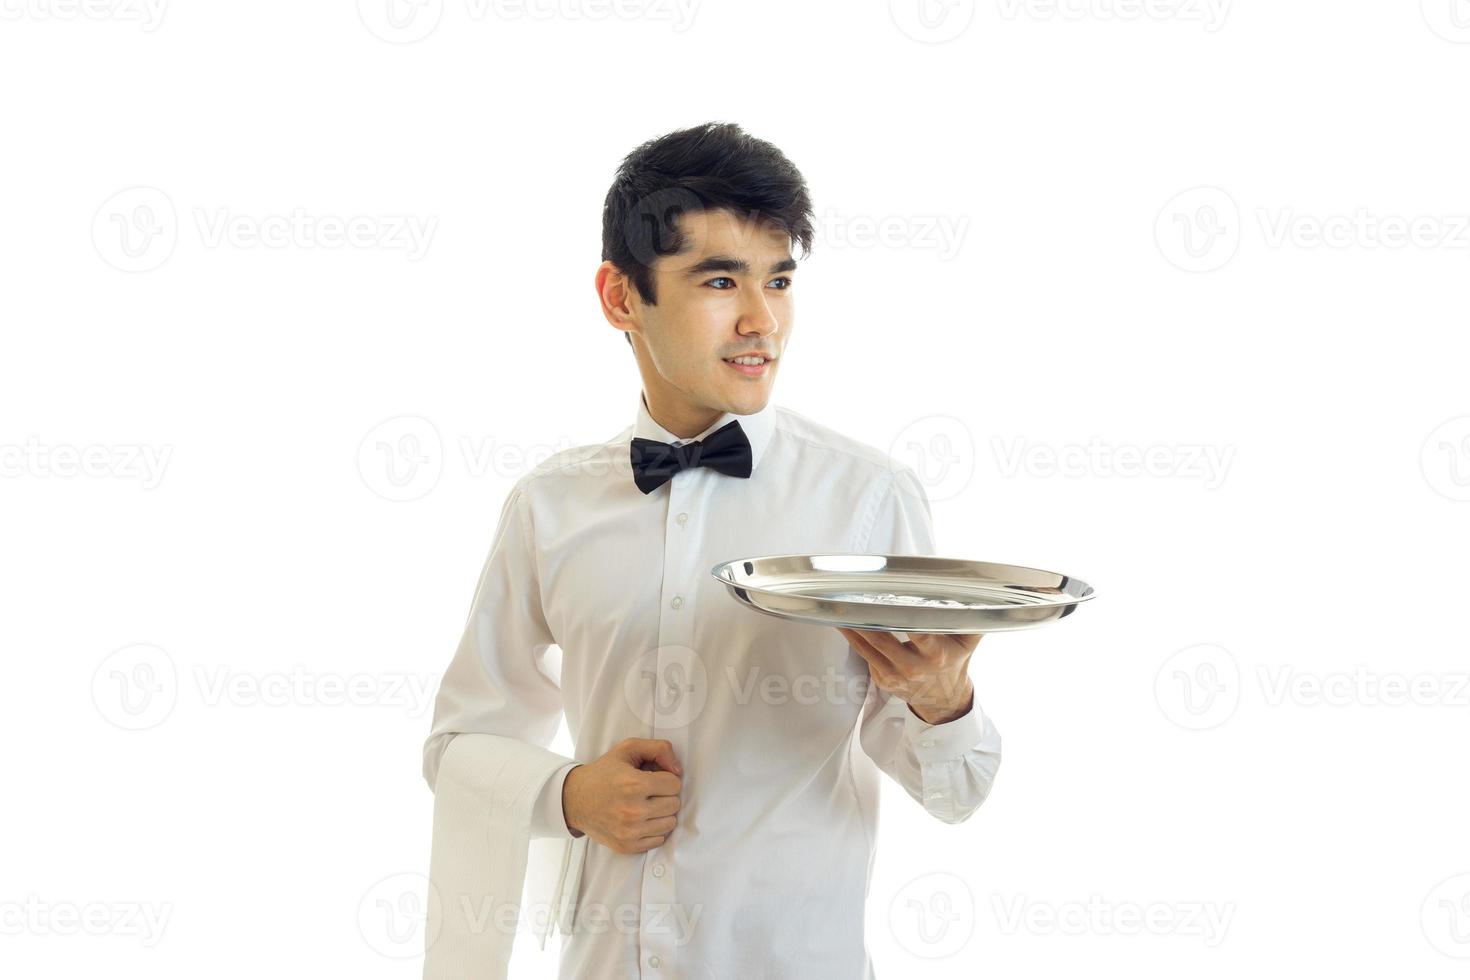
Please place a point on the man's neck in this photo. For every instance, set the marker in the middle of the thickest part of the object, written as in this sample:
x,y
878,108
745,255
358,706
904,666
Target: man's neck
x,y
686,421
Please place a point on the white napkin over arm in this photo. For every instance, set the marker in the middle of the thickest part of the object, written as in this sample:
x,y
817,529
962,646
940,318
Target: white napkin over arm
x,y
488,762
483,800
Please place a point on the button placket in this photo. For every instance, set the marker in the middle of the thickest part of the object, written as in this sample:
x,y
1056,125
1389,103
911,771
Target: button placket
x,y
656,941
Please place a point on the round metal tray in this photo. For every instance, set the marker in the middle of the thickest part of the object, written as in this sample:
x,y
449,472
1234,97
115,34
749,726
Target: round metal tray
x,y
902,593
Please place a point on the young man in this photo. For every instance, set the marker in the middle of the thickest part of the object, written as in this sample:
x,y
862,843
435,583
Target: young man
x,y
719,817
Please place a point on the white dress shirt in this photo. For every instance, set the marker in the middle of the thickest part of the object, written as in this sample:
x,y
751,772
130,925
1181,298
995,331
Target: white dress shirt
x,y
776,723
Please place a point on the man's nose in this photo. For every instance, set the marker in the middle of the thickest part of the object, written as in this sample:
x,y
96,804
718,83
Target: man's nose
x,y
756,316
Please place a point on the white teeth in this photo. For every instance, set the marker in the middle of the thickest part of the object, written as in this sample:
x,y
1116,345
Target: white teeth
x,y
747,360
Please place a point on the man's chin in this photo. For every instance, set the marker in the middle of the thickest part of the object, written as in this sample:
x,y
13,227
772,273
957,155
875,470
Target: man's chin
x,y
748,401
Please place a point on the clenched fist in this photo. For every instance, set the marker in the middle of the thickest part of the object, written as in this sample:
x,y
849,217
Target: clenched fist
x,y
627,799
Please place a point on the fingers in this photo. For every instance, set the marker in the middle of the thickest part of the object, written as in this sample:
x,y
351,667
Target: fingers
x,y
877,663
903,656
658,827
652,834
664,756
664,806
870,647
659,784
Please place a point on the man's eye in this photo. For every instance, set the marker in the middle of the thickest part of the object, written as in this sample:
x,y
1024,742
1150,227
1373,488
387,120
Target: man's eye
x,y
785,279
720,279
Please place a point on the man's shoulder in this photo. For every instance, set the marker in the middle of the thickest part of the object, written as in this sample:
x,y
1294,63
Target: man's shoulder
x,y
589,460
814,443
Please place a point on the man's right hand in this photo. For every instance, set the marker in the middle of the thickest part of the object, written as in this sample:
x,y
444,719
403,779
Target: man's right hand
x,y
619,803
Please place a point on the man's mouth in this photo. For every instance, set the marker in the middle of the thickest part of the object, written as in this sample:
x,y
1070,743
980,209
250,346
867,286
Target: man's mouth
x,y
751,366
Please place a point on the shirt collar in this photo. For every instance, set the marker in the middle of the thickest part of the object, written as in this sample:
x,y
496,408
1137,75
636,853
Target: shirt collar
x,y
756,426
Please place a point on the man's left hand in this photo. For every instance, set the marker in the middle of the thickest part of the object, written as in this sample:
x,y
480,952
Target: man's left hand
x,y
930,671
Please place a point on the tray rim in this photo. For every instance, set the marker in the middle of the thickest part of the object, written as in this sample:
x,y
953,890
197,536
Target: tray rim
x,y
1067,601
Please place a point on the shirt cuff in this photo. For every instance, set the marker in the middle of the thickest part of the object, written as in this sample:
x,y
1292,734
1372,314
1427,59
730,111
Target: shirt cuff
x,y
547,817
947,741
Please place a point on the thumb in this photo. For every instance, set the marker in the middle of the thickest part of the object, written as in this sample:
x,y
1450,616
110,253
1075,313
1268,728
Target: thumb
x,y
656,750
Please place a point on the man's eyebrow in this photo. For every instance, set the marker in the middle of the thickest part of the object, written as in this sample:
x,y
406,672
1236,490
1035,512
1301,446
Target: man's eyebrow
x,y
725,263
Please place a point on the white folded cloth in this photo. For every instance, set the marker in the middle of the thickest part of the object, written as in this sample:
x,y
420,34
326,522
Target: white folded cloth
x,y
483,798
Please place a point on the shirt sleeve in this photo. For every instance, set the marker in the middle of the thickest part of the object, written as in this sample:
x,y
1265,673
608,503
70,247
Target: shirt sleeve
x,y
497,682
948,768
548,818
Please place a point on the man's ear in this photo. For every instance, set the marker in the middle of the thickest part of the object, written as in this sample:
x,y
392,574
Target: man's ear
x,y
614,293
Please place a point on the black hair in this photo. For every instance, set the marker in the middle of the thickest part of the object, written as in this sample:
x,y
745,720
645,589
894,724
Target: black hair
x,y
714,166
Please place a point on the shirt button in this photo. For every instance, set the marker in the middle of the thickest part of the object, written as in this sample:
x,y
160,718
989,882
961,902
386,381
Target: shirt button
x,y
654,960
658,870
678,602
936,796
682,518
928,743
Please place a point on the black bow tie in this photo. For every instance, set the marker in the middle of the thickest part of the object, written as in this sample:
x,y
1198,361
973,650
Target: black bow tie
x,y
725,450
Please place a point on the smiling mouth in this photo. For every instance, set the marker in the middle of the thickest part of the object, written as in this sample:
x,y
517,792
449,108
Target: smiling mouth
x,y
754,369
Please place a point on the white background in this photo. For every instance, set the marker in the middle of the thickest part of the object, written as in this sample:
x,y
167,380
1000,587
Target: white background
x,y
1053,240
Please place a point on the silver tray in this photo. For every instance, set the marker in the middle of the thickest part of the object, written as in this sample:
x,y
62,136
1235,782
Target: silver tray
x,y
902,593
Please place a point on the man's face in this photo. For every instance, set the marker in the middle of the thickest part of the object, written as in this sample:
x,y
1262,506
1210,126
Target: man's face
x,y
728,293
